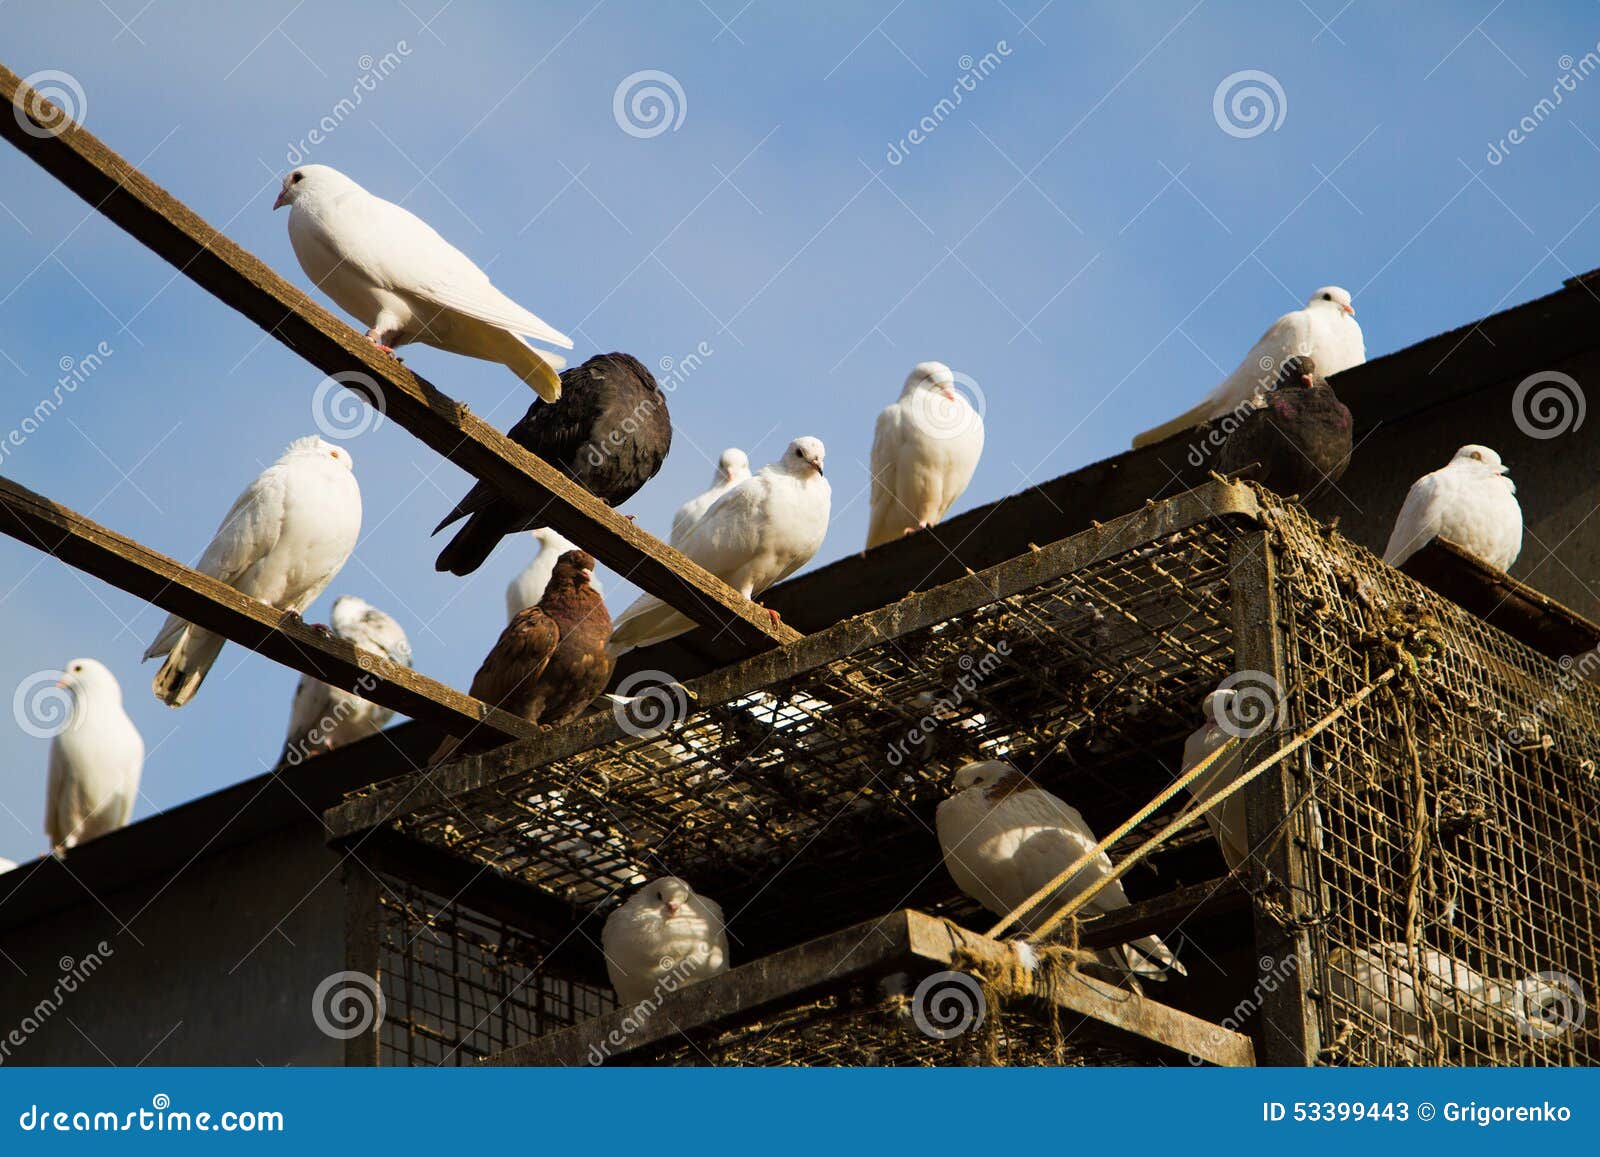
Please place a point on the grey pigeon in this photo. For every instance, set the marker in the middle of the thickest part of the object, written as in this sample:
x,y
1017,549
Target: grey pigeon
x,y
1299,440
609,432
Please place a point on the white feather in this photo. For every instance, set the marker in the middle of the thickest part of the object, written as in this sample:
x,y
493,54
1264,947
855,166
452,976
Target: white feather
x,y
664,938
924,452
95,760
321,717
732,468
1470,501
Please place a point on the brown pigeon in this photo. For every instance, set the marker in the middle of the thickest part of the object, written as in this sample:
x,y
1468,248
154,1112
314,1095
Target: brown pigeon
x,y
609,432
550,662
1299,440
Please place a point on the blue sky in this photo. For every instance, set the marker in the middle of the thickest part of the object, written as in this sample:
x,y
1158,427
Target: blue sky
x,y
1080,236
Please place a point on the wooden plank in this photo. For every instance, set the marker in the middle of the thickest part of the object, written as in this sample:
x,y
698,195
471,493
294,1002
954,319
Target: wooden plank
x,y
902,941
201,599
236,277
1501,601
1134,1013
414,792
1289,1034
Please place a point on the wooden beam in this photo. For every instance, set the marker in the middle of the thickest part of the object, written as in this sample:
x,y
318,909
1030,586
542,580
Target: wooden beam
x,y
201,599
1501,601
1161,914
176,233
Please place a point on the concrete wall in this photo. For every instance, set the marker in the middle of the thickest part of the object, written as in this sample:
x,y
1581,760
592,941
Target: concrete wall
x,y
216,964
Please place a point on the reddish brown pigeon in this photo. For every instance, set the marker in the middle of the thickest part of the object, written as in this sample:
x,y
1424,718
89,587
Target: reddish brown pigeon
x,y
550,662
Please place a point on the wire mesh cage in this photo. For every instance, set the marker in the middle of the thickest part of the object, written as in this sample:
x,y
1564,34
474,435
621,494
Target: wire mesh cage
x,y
1429,860
1452,865
459,985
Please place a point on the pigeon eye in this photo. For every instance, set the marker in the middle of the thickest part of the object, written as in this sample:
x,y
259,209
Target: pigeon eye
x,y
1325,296
296,178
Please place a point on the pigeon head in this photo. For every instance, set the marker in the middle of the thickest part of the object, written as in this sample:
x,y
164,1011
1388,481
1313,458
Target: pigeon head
x,y
733,466
347,612
1332,297
575,567
804,456
83,677
312,446
1215,707
985,774
1479,459
671,893
935,376
1298,373
311,181
549,538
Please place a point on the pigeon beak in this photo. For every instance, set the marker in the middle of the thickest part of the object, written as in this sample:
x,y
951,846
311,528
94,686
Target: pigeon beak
x,y
819,469
672,907
283,199
61,683
1350,309
949,392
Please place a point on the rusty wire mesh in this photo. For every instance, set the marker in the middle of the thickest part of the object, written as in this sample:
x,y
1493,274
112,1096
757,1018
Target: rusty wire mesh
x,y
458,985
809,803
1450,905
1453,885
861,1025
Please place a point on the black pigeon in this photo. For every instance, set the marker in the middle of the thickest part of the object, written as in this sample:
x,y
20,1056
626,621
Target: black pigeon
x,y
1299,440
609,432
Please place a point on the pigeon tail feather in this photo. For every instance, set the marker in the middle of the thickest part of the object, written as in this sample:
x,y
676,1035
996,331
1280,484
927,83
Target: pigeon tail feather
x,y
186,666
467,551
1188,420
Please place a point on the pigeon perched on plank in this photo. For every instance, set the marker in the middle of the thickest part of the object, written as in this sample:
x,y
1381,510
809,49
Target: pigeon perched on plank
x,y
732,468
665,937
758,533
550,662
95,760
406,283
1004,837
1299,440
287,535
528,587
1471,501
1326,329
924,452
609,433
321,717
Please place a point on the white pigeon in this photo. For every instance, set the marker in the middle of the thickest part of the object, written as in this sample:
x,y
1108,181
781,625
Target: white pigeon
x,y
1471,501
95,760
925,449
6,865
666,937
732,468
390,269
527,588
758,533
1466,1005
1004,837
1325,329
321,717
1227,819
284,540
